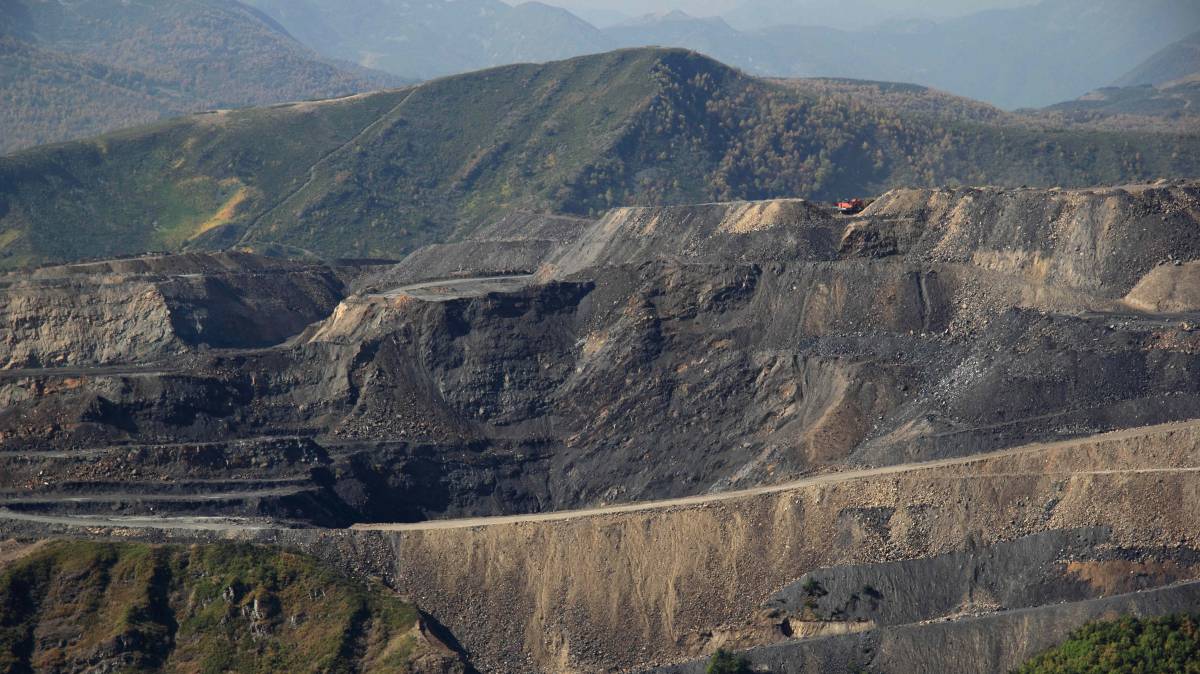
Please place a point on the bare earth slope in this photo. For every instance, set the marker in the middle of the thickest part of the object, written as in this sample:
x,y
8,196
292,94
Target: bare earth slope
x,y
655,353
814,361
1002,555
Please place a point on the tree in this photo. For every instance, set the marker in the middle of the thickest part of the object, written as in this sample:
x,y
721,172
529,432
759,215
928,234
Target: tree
x,y
724,662
1169,644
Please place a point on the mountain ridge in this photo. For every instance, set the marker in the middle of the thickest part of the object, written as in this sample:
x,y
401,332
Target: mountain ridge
x,y
1177,61
1015,57
75,70
378,175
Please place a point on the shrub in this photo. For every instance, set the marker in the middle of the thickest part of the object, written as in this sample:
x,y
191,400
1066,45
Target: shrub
x,y
1130,645
724,662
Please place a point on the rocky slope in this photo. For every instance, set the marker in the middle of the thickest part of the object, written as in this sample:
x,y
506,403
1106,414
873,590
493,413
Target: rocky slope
x,y
546,363
875,570
654,353
148,309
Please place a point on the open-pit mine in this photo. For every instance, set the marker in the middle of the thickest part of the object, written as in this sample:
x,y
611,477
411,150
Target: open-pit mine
x,y
938,435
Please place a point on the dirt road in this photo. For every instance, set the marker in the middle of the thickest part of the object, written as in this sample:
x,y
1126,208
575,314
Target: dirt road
x,y
232,525
829,478
453,289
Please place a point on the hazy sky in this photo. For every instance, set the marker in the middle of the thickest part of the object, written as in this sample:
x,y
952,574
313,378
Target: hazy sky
x,y
714,7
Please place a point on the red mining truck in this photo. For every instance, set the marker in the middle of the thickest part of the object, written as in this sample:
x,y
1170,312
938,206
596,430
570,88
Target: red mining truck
x,y
851,206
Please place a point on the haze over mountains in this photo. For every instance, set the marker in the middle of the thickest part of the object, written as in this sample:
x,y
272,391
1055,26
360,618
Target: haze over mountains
x,y
751,14
1175,62
1024,56
72,69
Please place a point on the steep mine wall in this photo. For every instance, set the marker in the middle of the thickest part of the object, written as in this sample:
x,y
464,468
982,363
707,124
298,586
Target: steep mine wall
x,y
696,348
66,323
1100,240
147,309
735,375
608,592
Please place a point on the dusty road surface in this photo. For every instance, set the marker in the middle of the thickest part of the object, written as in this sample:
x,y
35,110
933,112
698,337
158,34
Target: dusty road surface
x,y
829,478
453,289
214,524
234,524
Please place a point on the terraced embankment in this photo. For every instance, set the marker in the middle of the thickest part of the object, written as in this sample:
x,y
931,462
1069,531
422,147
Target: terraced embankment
x,y
994,543
613,591
674,353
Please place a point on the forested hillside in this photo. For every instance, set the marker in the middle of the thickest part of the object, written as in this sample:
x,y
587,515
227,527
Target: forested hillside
x,y
381,174
69,70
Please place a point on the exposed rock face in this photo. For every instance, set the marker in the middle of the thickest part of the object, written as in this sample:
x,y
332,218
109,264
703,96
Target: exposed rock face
x,y
657,353
988,643
146,309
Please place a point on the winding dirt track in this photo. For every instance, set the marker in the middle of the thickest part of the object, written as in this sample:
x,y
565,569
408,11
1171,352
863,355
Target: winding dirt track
x,y
234,525
829,478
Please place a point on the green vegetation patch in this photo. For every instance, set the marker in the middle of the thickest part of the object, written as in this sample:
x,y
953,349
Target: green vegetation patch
x,y
724,662
380,175
204,608
1166,645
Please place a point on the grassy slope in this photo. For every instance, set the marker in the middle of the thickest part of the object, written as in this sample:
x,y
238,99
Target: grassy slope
x,y
386,173
205,608
156,187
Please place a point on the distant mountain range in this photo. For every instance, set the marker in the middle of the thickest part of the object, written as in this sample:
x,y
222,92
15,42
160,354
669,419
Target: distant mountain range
x,y
381,174
1027,56
431,39
81,68
76,69
1162,92
1176,62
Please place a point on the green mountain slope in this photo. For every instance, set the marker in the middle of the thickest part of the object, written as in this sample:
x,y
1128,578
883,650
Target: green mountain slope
x,y
74,69
1178,61
51,96
1173,105
381,174
82,606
